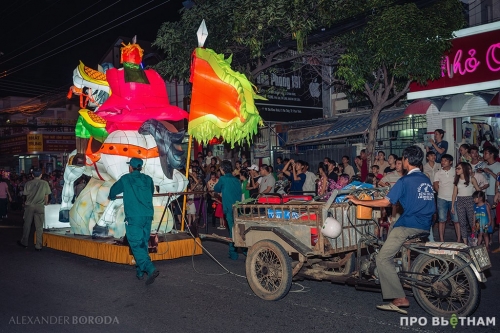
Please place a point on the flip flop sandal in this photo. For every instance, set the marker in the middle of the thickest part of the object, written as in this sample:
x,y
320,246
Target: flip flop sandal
x,y
391,307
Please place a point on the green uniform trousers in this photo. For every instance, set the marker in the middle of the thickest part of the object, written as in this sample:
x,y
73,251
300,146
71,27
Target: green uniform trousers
x,y
36,213
138,231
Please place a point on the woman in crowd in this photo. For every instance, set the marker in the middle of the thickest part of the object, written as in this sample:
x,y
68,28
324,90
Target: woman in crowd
x,y
4,197
210,197
324,184
197,186
392,164
245,193
462,201
464,151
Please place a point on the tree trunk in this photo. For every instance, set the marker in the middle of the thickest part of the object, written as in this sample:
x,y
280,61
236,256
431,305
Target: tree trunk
x,y
372,135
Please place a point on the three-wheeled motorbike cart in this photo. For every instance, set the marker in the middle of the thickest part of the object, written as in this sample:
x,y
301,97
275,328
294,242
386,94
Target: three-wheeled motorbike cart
x,y
285,241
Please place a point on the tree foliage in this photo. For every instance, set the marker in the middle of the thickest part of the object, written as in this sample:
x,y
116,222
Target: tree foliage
x,y
244,28
395,42
400,43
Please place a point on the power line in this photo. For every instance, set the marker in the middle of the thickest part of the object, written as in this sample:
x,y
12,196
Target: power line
x,y
13,10
29,19
52,53
20,86
28,43
24,83
31,48
21,67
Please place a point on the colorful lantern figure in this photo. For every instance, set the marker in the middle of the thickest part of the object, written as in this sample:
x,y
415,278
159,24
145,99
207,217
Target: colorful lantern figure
x,y
131,119
222,102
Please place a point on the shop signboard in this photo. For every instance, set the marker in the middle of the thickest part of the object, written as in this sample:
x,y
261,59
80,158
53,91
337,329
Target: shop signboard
x,y
34,143
59,143
13,145
292,94
37,143
473,64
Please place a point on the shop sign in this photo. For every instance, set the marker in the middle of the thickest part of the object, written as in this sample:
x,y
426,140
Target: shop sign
x,y
35,143
472,64
59,143
292,94
13,145
261,149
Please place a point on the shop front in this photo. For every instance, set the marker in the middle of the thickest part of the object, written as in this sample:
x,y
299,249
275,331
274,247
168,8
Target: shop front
x,y
48,151
465,101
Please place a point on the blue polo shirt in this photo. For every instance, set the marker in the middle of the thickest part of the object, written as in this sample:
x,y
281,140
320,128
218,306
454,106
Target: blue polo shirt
x,y
414,192
296,187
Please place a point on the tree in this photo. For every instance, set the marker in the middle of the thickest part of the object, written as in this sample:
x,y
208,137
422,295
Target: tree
x,y
400,44
391,43
251,30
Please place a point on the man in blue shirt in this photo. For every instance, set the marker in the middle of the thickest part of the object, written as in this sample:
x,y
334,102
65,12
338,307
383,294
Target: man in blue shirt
x,y
230,188
296,176
438,145
414,192
137,189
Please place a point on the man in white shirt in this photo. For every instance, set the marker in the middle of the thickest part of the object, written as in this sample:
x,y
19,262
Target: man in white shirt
x,y
490,170
431,167
310,183
348,169
443,185
267,180
392,177
476,162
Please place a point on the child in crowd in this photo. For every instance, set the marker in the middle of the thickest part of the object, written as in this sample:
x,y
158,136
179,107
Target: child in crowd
x,y
375,170
191,209
483,217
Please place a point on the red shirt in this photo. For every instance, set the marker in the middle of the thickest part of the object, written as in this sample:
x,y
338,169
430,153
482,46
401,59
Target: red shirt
x,y
364,169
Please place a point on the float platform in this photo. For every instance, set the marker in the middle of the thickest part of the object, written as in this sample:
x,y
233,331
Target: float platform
x,y
170,246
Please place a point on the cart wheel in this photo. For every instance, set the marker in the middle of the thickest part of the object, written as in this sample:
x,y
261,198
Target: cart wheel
x,y
269,270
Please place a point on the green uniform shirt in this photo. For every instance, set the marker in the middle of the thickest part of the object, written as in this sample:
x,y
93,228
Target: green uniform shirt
x,y
230,188
137,189
35,191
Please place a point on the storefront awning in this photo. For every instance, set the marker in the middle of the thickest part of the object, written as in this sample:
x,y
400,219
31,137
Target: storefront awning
x,y
466,102
495,100
346,126
422,106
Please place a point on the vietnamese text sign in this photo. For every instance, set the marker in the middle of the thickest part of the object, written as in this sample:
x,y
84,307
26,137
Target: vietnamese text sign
x,y
35,143
293,94
14,145
472,64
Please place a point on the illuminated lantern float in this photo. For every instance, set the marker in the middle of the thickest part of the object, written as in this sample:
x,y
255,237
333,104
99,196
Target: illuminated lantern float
x,y
131,119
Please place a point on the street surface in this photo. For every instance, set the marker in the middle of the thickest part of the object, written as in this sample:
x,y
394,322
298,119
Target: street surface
x,y
192,294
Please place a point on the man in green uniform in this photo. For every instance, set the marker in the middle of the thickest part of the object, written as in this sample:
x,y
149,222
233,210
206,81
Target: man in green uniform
x,y
137,189
230,188
37,197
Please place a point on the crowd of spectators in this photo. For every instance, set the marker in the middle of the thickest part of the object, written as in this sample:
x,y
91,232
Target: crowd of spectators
x,y
11,193
456,188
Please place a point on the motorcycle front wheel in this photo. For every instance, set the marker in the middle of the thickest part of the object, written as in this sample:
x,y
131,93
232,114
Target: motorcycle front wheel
x,y
460,294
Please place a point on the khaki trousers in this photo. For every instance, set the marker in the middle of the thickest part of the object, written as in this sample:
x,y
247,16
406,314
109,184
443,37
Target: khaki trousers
x,y
389,280
36,212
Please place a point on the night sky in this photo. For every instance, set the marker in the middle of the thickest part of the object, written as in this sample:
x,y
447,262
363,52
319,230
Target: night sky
x,y
43,40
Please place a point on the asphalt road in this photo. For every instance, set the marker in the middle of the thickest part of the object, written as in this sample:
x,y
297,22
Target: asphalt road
x,y
53,291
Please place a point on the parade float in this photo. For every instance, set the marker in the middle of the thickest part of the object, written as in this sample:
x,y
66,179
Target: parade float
x,y
126,113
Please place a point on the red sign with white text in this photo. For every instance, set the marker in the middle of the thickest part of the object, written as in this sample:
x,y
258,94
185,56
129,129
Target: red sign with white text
x,y
473,59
